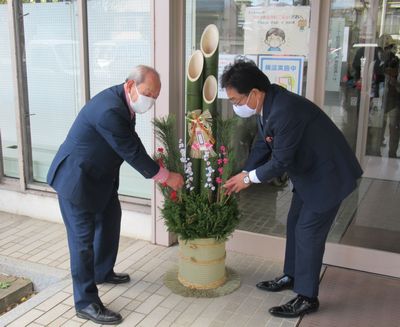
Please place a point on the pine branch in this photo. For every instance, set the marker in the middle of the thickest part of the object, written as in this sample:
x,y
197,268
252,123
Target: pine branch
x,y
165,129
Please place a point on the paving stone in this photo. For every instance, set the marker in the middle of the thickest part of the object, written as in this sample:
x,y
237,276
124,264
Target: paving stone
x,y
132,320
154,317
147,306
26,318
52,314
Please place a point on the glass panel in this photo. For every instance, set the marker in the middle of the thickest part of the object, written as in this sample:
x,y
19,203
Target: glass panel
x,y
7,105
342,87
120,37
264,206
53,77
357,49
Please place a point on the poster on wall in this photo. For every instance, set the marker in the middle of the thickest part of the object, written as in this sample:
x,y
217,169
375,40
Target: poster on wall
x,y
285,71
334,67
277,30
224,60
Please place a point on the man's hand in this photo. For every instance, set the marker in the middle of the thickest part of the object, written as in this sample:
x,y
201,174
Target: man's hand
x,y
174,181
236,183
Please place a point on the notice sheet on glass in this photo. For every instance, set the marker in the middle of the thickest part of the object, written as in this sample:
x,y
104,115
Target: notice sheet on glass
x,y
285,71
277,30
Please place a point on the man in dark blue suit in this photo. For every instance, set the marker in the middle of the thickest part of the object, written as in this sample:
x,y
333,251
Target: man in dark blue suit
x,y
297,137
85,174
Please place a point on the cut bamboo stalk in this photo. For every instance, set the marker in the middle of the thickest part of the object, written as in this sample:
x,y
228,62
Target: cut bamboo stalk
x,y
194,81
210,92
209,43
194,101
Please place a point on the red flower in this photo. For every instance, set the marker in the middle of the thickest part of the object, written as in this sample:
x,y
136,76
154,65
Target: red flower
x,y
173,196
161,150
219,161
218,180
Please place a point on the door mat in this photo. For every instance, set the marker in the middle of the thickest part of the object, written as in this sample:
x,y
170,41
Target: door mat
x,y
350,298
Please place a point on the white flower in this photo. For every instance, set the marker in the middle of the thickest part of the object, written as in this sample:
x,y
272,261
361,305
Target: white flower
x,y
187,165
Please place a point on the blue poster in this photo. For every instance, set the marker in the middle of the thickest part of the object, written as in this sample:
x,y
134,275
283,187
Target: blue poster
x,y
285,71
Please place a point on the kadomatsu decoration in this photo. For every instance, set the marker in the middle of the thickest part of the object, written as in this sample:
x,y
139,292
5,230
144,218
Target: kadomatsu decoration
x,y
201,214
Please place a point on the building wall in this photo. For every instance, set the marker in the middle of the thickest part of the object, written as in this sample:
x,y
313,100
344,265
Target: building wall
x,y
42,206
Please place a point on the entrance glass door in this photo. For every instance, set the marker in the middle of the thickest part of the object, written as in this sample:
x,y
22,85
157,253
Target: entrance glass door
x,y
368,219
362,96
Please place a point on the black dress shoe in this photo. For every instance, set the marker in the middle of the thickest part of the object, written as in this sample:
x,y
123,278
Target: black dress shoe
x,y
284,282
116,278
296,307
99,314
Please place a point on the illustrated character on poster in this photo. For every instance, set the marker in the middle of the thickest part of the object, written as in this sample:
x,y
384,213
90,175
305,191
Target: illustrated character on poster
x,y
287,82
275,38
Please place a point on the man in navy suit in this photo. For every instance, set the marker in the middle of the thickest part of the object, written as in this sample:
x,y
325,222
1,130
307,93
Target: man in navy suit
x,y
297,137
85,174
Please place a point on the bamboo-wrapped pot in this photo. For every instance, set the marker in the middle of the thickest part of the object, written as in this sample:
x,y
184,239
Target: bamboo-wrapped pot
x,y
202,263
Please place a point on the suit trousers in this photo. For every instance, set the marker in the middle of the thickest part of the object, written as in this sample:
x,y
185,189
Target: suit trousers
x,y
93,240
307,232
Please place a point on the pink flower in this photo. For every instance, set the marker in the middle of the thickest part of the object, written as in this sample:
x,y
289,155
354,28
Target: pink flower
x,y
219,161
226,161
221,170
160,162
218,180
222,148
161,150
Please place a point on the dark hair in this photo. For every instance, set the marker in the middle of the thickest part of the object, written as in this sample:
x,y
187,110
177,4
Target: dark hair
x,y
275,31
244,75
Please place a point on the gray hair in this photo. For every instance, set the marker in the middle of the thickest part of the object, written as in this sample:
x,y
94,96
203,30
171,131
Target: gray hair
x,y
139,73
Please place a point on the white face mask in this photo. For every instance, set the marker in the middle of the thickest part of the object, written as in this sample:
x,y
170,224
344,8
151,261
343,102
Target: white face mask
x,y
142,104
244,110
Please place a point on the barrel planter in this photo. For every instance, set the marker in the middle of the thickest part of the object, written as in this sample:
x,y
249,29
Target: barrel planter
x,y
202,263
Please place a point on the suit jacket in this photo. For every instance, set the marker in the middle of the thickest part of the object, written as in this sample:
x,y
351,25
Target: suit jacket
x,y
85,169
297,137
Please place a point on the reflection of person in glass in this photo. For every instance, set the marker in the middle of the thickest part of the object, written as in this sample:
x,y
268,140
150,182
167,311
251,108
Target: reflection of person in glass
x,y
275,38
297,137
391,94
